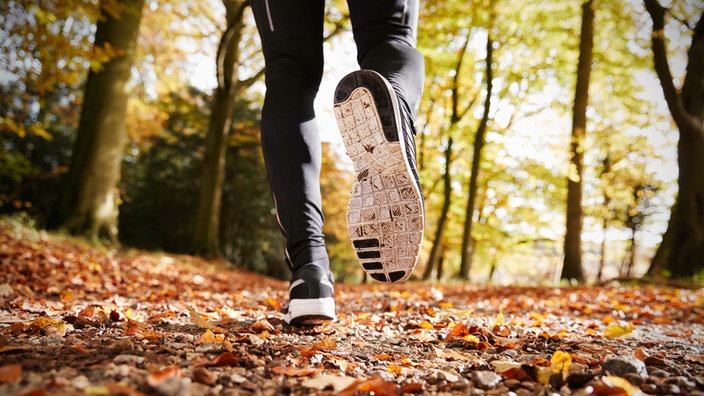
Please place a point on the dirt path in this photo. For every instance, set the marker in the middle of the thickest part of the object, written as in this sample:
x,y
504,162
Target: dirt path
x,y
82,320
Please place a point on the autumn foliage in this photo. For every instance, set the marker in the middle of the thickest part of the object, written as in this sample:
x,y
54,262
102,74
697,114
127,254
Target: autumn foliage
x,y
76,319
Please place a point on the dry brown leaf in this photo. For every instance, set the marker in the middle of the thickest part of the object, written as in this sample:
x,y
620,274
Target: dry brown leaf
x,y
224,359
197,320
10,373
326,381
374,385
292,371
326,344
263,325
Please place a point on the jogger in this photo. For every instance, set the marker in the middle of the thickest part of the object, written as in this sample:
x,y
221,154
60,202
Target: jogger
x,y
291,32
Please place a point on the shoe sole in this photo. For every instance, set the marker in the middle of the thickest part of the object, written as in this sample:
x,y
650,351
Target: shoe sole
x,y
385,217
307,312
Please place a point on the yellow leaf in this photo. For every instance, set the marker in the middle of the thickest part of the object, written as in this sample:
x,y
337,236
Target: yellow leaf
x,y
536,316
499,321
619,329
426,325
560,361
621,383
407,362
471,338
393,369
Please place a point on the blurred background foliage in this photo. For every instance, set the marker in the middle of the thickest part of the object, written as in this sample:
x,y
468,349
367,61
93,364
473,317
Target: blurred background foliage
x,y
630,184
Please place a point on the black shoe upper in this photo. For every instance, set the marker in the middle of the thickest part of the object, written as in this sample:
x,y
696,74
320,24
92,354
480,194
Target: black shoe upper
x,y
311,282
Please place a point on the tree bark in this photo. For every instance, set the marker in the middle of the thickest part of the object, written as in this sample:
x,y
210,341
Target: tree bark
x,y
88,204
572,268
682,249
479,141
435,251
207,222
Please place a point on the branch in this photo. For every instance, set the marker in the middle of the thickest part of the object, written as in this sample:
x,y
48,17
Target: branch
x,y
672,97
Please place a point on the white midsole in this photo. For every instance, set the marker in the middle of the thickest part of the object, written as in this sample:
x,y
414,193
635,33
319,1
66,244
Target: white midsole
x,y
310,307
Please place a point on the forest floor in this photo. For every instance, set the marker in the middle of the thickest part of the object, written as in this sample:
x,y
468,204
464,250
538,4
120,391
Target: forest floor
x,y
81,319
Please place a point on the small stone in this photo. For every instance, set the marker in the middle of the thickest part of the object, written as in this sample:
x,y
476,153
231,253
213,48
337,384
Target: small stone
x,y
122,359
204,376
448,376
209,348
621,366
485,379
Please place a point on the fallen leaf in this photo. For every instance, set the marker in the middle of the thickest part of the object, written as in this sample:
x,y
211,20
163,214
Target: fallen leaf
x,y
80,349
262,325
426,325
224,359
10,373
471,339
209,338
326,381
5,290
619,329
393,369
499,321
504,365
374,385
156,378
292,371
560,361
197,320
273,303
459,331
611,385
326,344
48,326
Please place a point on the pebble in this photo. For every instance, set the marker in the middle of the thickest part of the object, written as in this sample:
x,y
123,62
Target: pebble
x,y
485,379
122,359
621,366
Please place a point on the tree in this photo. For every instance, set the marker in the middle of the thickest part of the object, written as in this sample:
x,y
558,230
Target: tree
x,y
228,59
682,249
88,202
479,141
572,268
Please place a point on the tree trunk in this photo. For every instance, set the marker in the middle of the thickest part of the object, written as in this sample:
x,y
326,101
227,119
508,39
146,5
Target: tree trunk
x,y
682,249
88,204
207,224
479,141
572,268
435,251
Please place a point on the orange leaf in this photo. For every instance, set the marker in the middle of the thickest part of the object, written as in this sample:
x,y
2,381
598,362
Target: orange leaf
x,y
224,359
209,338
80,349
273,303
10,373
156,378
326,344
375,385
459,331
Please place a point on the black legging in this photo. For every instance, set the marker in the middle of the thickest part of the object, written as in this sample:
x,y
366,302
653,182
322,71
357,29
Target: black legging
x,y
291,32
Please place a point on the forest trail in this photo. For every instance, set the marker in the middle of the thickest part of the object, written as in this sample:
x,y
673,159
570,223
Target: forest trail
x,y
80,319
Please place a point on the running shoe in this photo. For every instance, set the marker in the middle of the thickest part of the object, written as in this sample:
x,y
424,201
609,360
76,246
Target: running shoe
x,y
310,297
385,218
